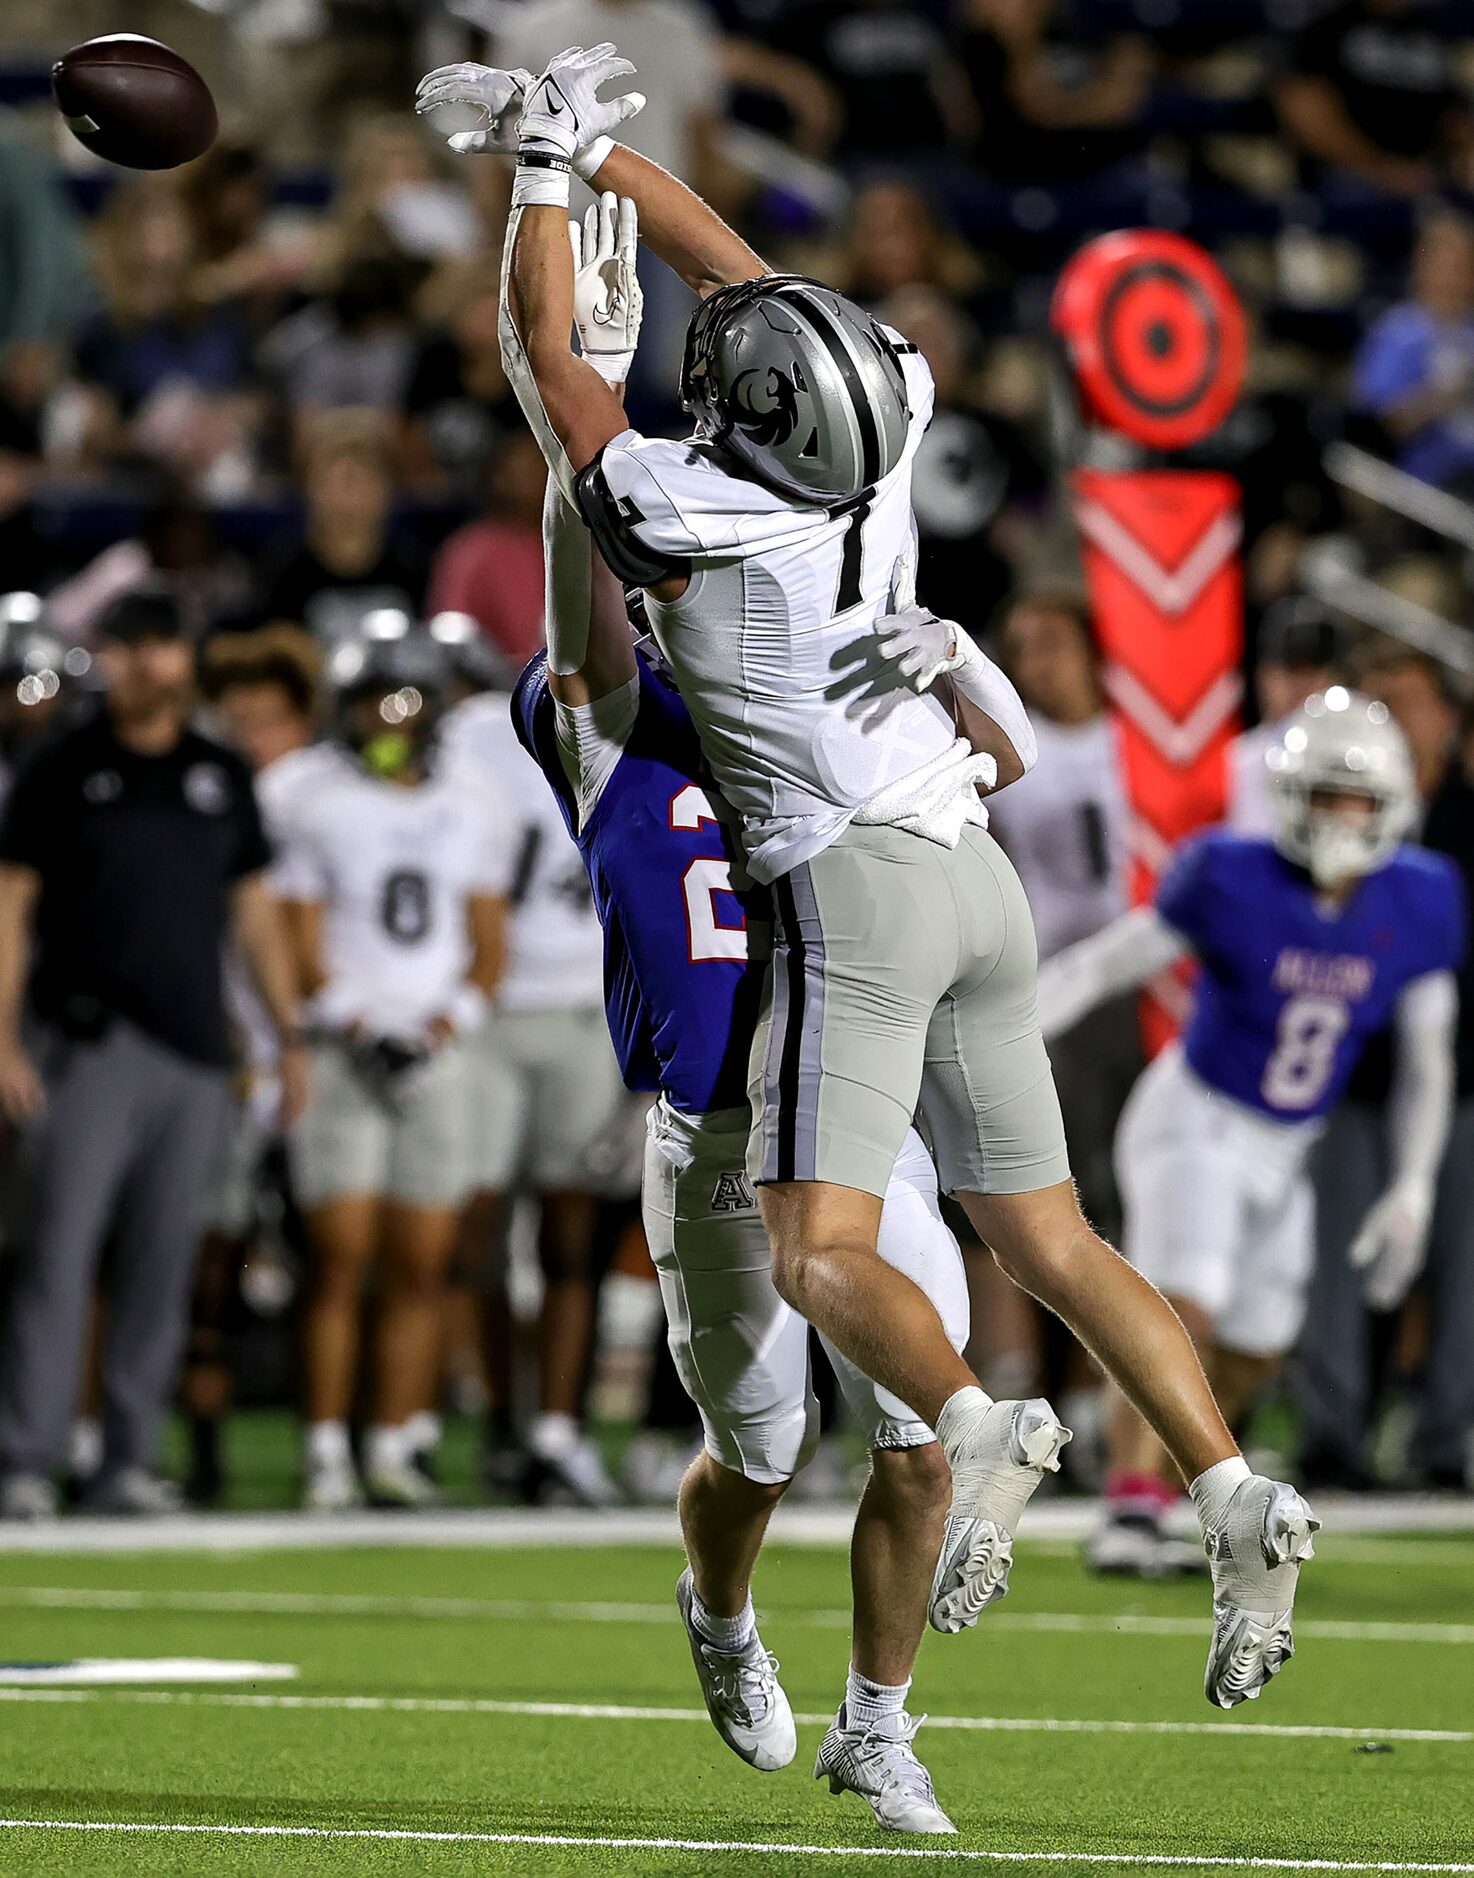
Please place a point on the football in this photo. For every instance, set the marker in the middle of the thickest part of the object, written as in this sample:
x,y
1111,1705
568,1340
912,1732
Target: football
x,y
135,102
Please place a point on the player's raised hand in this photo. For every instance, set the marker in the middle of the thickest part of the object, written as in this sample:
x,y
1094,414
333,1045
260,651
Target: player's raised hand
x,y
1392,1243
607,302
499,96
921,647
564,111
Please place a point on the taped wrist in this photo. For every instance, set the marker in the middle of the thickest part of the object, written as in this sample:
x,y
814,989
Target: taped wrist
x,y
542,180
982,683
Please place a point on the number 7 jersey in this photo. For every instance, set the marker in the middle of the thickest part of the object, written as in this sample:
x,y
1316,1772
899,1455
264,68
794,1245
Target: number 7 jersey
x,y
1291,990
686,932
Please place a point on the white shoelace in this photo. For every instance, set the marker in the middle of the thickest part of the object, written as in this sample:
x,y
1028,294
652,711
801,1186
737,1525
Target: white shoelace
x,y
742,1683
891,1756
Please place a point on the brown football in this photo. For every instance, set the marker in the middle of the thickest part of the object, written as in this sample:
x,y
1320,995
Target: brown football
x,y
133,101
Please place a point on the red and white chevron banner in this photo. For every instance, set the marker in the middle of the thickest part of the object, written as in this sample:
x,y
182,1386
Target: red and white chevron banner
x,y
1161,560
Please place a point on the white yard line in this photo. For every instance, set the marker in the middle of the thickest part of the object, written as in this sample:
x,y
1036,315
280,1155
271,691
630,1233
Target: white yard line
x,y
595,1842
606,1611
512,1528
614,1711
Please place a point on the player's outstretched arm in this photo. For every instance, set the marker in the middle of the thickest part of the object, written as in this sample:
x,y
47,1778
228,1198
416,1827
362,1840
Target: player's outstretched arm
x,y
686,233
572,411
1390,1247
1120,957
590,649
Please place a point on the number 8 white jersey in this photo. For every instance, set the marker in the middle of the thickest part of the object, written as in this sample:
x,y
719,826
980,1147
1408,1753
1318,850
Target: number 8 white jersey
x,y
779,592
393,868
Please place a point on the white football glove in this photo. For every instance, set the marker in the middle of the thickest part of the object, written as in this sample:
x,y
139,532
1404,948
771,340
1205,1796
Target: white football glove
x,y
922,647
498,95
607,302
563,112
1390,1248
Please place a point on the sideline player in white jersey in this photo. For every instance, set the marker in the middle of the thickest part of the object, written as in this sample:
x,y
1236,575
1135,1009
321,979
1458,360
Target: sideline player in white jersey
x,y
769,545
547,1090
396,877
686,933
1308,944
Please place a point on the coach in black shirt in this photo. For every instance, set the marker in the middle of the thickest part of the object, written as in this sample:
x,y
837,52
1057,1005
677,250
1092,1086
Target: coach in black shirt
x,y
131,848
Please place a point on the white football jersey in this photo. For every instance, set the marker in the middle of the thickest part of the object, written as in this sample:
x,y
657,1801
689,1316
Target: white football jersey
x,y
780,592
1064,826
394,868
1250,811
555,945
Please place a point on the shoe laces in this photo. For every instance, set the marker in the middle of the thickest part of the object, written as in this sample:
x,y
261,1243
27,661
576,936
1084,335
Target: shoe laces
x,y
891,1756
743,1681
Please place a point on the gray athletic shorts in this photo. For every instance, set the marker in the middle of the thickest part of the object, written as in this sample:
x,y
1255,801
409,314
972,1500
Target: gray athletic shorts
x,y
903,979
414,1147
741,1352
548,1086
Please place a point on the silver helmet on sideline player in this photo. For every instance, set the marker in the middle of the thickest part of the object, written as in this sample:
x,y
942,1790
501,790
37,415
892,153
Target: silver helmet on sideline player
x,y
389,690
1341,785
798,384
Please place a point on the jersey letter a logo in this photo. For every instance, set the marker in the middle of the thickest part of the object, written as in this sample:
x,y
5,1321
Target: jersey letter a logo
x,y
732,1194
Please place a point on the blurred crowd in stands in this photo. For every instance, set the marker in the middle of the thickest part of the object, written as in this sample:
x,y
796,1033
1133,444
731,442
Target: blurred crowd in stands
x,y
266,392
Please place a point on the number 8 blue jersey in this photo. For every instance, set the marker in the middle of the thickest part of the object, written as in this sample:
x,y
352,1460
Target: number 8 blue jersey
x,y
1290,990
686,932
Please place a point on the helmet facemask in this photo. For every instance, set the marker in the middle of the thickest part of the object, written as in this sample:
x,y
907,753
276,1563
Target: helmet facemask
x,y
1337,752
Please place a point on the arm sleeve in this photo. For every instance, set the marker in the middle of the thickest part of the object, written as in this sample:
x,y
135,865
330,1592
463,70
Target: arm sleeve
x,y
592,739
1118,958
989,687
1420,1105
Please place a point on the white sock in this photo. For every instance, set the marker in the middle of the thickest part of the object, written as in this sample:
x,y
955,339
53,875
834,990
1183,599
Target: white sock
x,y
867,1702
84,1453
327,1445
959,1411
384,1448
551,1434
1214,1488
728,1634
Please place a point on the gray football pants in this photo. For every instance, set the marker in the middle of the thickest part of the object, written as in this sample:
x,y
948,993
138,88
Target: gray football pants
x,y
123,1160
1349,1167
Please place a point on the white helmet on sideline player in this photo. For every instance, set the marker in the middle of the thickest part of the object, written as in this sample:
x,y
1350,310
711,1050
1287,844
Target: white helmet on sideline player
x,y
1340,744
799,384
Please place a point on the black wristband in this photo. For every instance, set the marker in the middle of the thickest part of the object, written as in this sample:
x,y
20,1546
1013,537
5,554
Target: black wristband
x,y
543,160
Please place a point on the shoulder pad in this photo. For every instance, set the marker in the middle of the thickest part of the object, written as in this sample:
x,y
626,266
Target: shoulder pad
x,y
612,521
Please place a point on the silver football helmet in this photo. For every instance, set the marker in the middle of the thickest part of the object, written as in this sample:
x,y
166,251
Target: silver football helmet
x,y
798,384
1340,743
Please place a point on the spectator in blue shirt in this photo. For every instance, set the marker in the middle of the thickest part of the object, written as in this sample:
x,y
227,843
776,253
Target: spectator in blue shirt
x,y
1415,369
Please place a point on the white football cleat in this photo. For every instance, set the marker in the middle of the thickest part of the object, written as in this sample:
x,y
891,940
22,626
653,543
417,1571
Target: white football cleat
x,y
1255,1551
29,1497
997,1458
880,1764
1130,1544
743,1695
399,1483
331,1487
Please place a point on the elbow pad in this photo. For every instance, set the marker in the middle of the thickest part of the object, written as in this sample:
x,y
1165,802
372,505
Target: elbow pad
x,y
612,526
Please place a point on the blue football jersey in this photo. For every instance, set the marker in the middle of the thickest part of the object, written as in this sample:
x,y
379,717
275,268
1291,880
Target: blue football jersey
x,y
1289,993
686,931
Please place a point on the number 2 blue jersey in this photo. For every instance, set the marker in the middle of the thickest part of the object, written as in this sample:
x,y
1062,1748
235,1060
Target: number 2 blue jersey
x,y
674,900
1289,993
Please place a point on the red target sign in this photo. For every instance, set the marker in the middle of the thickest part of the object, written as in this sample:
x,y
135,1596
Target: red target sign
x,y
1155,334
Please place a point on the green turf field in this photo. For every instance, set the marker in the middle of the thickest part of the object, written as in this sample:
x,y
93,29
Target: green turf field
x,y
438,1689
